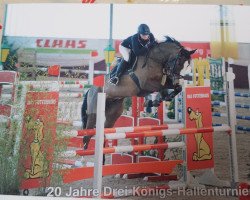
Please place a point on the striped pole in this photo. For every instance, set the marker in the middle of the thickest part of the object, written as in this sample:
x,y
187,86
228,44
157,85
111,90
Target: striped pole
x,y
170,132
238,128
243,117
219,103
79,86
73,82
91,132
136,148
217,92
44,84
124,149
70,95
237,94
242,106
243,128
157,132
217,114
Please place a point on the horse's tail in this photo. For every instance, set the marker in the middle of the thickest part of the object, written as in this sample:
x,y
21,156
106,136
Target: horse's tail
x,y
84,110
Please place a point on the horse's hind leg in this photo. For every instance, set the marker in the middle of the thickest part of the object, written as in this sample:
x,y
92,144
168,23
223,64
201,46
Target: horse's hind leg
x,y
84,115
90,125
114,110
86,139
91,105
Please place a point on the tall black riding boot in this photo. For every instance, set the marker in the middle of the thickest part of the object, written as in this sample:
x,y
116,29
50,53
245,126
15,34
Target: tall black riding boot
x,y
120,70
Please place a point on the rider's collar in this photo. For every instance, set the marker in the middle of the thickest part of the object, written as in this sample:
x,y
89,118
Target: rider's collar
x,y
142,41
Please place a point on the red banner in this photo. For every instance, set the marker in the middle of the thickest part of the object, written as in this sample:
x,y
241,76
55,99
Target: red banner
x,y
198,114
39,132
203,48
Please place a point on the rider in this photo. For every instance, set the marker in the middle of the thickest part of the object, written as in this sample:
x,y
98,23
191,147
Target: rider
x,y
137,44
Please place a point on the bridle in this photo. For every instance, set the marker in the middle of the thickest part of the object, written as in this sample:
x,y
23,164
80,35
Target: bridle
x,y
169,72
169,69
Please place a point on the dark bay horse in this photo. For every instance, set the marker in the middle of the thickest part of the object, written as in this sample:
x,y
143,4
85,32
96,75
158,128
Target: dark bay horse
x,y
158,71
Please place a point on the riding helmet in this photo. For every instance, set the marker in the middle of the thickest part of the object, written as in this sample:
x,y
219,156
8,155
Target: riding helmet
x,y
143,29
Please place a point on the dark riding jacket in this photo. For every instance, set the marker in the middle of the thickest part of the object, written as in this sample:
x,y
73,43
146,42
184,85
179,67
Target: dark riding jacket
x,y
138,46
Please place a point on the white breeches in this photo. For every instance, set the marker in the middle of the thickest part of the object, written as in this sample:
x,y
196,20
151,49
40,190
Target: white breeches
x,y
125,52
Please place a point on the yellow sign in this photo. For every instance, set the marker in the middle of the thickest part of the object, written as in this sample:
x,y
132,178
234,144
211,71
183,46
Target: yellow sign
x,y
202,69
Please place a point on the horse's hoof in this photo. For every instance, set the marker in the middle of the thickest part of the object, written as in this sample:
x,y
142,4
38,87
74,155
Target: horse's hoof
x,y
156,103
114,81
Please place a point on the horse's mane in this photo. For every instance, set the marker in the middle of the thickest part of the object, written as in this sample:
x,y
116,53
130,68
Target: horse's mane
x,y
168,39
172,40
183,50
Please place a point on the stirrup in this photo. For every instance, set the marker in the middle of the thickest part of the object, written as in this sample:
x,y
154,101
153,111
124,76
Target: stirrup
x,y
114,80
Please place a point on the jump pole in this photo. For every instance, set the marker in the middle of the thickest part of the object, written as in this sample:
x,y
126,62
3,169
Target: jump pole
x,y
99,141
230,76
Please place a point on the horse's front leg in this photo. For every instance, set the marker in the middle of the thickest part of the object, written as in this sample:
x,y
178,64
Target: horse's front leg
x,y
149,103
169,96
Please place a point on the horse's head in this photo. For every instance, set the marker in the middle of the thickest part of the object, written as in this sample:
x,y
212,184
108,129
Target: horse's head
x,y
174,61
172,56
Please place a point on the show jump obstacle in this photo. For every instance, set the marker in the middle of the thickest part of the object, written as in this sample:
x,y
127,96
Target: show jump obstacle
x,y
195,158
197,143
